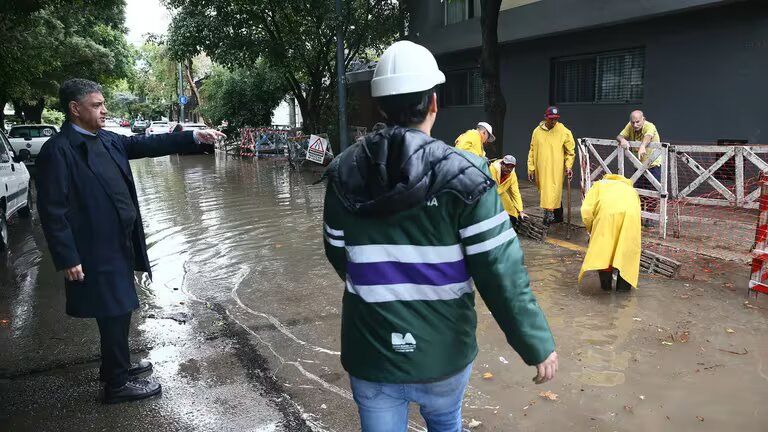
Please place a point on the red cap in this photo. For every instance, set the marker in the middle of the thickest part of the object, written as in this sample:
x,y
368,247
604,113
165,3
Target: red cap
x,y
552,112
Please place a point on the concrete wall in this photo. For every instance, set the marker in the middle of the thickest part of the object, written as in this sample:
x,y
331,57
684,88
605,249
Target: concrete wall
x,y
705,79
538,19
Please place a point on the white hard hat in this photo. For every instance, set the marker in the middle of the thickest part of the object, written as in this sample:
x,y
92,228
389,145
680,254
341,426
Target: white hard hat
x,y
509,160
405,67
486,126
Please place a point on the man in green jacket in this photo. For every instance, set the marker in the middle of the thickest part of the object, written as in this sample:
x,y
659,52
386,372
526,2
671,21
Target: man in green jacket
x,y
409,224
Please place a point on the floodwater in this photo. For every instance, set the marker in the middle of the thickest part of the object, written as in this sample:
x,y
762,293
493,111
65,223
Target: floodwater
x,y
243,239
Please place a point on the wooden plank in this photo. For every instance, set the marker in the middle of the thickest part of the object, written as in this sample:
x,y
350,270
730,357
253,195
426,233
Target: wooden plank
x,y
752,197
749,154
603,166
643,169
647,193
707,201
717,148
614,143
663,191
706,175
645,214
673,173
739,176
621,159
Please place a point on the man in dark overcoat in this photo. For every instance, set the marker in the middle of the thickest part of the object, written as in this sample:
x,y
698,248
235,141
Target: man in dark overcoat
x,y
90,216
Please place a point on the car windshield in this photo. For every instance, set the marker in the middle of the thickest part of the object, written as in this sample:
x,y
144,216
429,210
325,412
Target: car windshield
x,y
159,123
32,132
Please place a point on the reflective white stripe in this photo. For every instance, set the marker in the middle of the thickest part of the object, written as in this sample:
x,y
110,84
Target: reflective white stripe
x,y
334,242
404,253
331,231
484,225
409,292
492,243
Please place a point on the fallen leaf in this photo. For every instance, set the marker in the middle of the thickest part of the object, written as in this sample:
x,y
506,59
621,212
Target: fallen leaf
x,y
503,360
666,343
728,285
642,397
728,330
323,406
548,395
473,424
685,296
637,319
699,418
487,375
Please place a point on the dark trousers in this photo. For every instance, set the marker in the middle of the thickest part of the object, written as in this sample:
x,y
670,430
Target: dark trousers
x,y
115,355
606,280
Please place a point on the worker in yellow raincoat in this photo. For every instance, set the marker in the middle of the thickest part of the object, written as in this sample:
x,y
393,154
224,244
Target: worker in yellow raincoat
x,y
611,213
474,140
550,158
503,173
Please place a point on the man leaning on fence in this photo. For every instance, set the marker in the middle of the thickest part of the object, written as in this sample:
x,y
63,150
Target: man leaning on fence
x,y
410,223
640,130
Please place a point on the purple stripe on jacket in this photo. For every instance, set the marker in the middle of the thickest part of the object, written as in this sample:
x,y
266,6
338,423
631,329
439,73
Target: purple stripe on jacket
x,y
388,273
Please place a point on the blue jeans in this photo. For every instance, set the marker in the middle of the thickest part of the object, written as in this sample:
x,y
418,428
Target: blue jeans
x,y
384,407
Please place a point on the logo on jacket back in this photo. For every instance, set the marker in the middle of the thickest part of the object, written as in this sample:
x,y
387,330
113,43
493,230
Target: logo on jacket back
x,y
432,202
402,343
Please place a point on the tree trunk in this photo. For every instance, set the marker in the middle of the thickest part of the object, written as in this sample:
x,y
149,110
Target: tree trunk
x,y
193,87
2,113
495,104
33,113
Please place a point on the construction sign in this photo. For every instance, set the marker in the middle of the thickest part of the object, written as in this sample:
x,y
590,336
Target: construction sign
x,y
317,148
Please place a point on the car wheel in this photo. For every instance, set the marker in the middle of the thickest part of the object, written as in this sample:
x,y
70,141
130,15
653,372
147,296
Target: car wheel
x,y
26,211
3,230
25,155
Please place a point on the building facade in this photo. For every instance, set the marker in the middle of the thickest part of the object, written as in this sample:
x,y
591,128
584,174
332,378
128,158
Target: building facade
x,y
697,68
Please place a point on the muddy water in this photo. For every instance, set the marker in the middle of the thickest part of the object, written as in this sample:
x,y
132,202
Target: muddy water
x,y
246,236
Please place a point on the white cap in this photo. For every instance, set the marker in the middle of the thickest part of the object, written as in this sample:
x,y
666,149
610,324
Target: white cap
x,y
405,67
509,160
486,126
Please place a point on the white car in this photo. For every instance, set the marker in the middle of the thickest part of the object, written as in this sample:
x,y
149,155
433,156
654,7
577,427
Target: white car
x,y
158,127
27,140
14,188
193,126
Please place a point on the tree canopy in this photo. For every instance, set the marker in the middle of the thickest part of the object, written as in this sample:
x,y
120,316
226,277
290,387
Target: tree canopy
x,y
48,41
297,37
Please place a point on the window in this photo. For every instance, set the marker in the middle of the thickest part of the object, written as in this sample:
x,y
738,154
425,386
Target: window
x,y
611,77
458,10
32,132
462,88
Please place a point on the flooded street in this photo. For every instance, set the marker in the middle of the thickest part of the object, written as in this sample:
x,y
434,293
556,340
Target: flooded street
x,y
242,324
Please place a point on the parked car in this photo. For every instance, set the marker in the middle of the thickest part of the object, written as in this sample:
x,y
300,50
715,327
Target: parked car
x,y
158,127
14,188
139,126
114,126
125,123
193,126
27,140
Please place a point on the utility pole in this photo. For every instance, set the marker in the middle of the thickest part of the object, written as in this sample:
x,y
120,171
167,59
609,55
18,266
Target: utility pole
x,y
340,80
181,93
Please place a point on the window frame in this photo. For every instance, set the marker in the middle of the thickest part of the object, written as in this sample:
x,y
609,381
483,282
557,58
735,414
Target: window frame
x,y
596,56
469,10
443,88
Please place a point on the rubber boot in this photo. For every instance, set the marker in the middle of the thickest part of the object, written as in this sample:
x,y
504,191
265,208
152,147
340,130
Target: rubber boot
x,y
606,279
558,215
621,284
548,217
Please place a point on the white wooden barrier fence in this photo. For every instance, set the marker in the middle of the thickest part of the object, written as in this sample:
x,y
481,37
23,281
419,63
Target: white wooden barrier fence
x,y
671,184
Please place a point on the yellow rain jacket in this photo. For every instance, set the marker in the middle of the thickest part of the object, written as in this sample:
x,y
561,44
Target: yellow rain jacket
x,y
611,213
552,152
509,191
471,142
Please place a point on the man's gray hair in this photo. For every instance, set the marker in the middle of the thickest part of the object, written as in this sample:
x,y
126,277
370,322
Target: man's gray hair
x,y
75,90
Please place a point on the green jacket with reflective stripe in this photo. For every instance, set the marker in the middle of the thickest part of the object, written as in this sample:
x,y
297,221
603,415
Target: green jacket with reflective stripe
x,y
409,304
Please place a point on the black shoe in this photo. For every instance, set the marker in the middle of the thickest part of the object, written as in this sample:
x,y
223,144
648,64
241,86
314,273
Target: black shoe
x,y
133,390
622,285
557,215
139,368
606,280
548,218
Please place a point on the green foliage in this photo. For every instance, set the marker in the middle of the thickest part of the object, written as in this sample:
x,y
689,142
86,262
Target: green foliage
x,y
244,97
297,37
53,117
48,41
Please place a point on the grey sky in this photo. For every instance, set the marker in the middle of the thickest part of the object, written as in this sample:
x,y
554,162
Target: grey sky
x,y
145,16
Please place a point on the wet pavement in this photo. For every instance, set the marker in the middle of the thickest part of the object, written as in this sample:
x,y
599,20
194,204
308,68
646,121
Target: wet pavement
x,y
242,324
